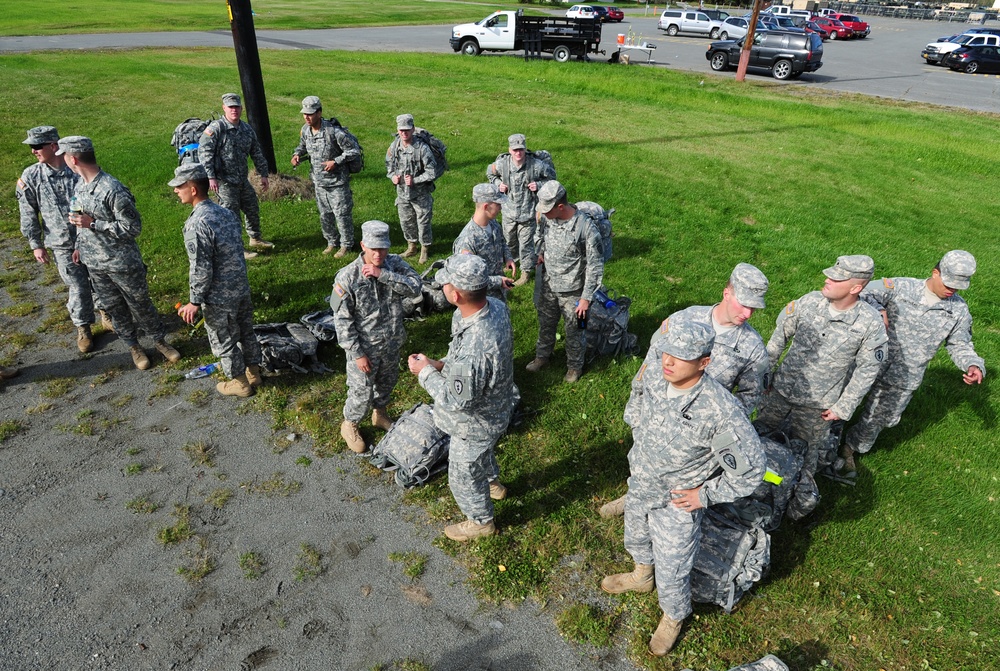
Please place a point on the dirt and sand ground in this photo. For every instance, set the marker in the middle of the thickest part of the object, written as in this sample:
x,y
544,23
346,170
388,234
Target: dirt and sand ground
x,y
99,462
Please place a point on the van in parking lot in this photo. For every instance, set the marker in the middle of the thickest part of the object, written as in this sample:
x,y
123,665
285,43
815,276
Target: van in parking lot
x,y
686,21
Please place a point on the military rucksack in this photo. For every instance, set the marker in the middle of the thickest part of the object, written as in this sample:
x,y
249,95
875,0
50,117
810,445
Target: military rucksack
x,y
437,147
321,325
288,346
431,298
602,218
414,448
355,165
503,163
785,462
731,557
607,326
187,137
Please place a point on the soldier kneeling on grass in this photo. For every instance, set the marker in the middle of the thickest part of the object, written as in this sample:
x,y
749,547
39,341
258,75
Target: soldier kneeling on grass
x,y
219,285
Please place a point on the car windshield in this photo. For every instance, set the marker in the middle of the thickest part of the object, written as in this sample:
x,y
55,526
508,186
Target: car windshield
x,y
963,39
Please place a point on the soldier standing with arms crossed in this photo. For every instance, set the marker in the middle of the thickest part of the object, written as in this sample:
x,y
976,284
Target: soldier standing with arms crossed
x,y
473,391
219,286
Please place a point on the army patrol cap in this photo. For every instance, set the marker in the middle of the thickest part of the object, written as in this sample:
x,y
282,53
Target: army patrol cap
x,y
487,193
187,173
42,135
856,267
404,122
375,234
231,100
517,141
749,284
311,105
74,144
550,195
684,338
463,271
956,268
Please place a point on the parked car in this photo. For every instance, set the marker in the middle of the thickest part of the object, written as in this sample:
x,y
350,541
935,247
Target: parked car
x,y
615,15
935,52
716,14
736,27
985,31
811,27
787,22
685,21
777,10
785,53
860,28
601,11
985,59
837,30
581,12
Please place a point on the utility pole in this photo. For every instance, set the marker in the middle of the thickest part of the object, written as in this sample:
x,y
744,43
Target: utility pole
x,y
741,71
251,79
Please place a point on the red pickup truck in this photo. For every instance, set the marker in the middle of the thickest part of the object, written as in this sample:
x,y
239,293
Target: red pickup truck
x,y
860,28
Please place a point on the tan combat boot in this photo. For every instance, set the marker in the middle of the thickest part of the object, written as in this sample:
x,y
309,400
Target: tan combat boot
x,y
498,491
84,339
253,376
261,243
349,432
342,252
106,322
411,249
573,375
249,255
664,637
381,419
329,249
168,352
424,249
611,509
536,365
849,466
524,278
469,529
639,580
238,386
139,357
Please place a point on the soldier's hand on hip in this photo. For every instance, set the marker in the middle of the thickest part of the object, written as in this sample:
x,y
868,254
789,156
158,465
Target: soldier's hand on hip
x,y
973,375
687,499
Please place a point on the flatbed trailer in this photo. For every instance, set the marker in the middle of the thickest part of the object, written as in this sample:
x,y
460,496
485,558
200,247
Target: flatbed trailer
x,y
512,31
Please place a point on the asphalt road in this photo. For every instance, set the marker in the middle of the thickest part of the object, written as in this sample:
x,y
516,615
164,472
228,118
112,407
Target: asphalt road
x,y
886,64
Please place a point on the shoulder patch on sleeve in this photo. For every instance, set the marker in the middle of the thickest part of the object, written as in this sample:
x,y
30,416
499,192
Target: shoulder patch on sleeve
x,y
665,326
21,184
465,251
888,282
725,447
790,308
337,296
208,131
642,370
879,353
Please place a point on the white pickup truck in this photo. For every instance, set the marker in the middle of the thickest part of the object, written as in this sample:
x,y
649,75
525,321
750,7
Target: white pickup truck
x,y
935,52
512,31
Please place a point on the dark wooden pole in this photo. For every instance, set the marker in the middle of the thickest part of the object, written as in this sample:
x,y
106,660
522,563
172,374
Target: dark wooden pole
x,y
251,79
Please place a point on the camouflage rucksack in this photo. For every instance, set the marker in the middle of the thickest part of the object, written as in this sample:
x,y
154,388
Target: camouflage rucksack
x,y
431,298
730,559
186,138
321,325
602,218
437,147
288,346
414,448
607,326
355,165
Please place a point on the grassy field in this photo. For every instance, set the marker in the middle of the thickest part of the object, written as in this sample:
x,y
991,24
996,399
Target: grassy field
x,y
901,572
108,16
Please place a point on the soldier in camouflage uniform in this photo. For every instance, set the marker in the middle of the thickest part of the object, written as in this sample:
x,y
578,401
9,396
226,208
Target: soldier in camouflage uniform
x,y
483,237
473,391
219,286
329,149
519,174
107,227
571,262
43,193
367,303
921,316
838,346
411,166
693,447
739,358
223,151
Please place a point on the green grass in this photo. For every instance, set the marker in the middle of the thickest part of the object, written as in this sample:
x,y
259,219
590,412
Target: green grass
x,y
414,563
108,16
10,428
896,573
252,564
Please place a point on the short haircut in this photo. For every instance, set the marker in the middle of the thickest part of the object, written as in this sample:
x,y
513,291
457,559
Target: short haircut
x,y
474,296
85,157
201,185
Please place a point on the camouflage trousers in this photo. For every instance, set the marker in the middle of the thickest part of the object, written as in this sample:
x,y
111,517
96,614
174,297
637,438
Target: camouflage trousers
x,y
415,217
551,306
472,465
520,238
883,409
660,534
336,214
125,297
80,299
231,336
241,197
803,423
367,390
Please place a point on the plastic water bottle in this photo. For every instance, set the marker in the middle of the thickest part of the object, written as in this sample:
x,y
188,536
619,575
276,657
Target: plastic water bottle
x,y
74,206
201,371
604,299
581,322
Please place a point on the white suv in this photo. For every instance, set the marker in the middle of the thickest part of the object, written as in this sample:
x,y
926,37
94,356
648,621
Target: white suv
x,y
581,12
684,21
935,52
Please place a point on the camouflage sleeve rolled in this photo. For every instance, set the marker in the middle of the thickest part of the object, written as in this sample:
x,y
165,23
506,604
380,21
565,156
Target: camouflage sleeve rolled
x,y
784,330
868,363
208,146
427,162
259,160
402,279
27,203
342,303
199,246
595,261
301,151
738,438
959,344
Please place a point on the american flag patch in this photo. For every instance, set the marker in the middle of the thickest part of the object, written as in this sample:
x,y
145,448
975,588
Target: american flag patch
x,y
638,376
20,184
339,290
889,284
208,131
790,308
665,326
